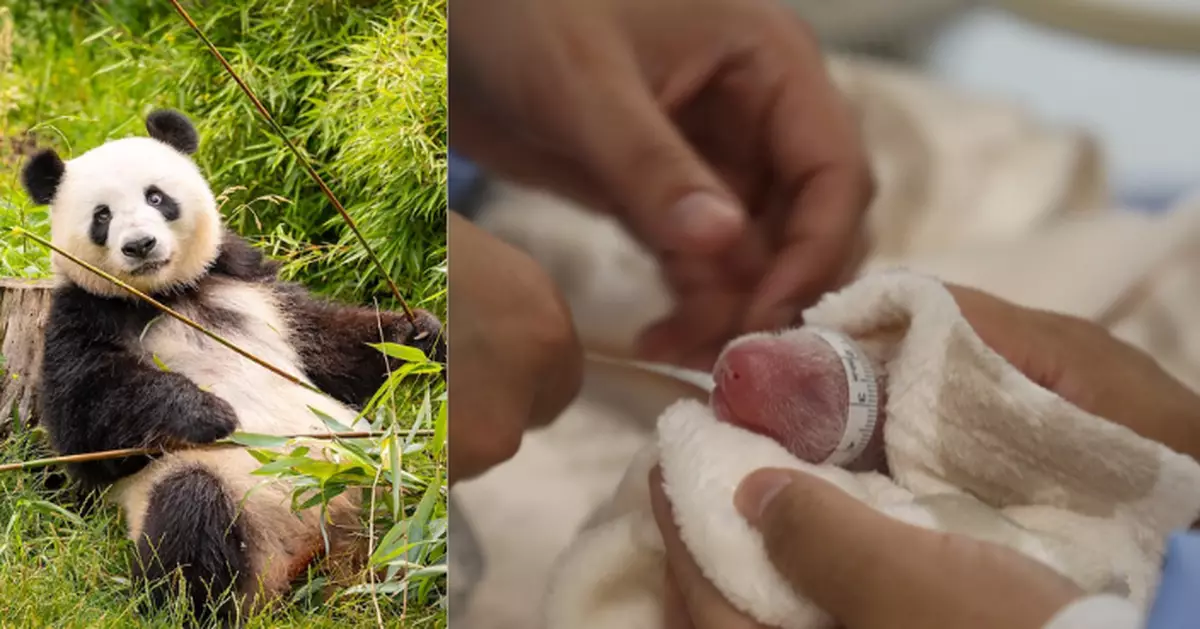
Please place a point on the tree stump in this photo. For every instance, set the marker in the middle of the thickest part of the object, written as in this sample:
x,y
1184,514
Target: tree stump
x,y
24,306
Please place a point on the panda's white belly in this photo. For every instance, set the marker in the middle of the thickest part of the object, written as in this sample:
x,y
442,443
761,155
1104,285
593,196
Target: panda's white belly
x,y
265,402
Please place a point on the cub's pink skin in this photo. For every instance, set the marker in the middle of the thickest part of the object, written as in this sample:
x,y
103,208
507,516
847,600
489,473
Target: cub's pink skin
x,y
791,387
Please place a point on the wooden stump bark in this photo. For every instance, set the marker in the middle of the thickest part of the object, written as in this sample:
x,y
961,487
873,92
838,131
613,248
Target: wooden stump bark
x,y
24,306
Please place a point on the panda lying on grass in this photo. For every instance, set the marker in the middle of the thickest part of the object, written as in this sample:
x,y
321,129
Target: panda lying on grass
x,y
119,375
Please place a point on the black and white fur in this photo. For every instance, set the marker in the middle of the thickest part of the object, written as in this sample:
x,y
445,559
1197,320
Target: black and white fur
x,y
139,209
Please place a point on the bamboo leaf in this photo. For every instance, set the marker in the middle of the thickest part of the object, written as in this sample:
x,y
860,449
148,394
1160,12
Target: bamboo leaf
x,y
262,456
440,428
420,519
329,422
388,546
256,440
50,508
159,363
402,352
394,460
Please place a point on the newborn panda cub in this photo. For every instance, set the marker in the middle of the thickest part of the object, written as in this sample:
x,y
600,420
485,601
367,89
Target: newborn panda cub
x,y
119,374
791,386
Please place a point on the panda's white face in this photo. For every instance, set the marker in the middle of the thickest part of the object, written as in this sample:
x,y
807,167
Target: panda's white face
x,y
139,210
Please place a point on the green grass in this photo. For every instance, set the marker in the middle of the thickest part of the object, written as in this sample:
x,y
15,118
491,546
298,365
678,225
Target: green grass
x,y
359,86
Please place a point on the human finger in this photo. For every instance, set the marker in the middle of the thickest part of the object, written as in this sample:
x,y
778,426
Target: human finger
x,y
869,570
823,184
666,193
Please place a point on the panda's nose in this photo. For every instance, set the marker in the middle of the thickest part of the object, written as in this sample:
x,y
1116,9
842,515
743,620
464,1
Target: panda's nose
x,y
139,248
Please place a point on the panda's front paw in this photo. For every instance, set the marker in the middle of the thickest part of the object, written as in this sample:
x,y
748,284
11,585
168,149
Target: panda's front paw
x,y
215,420
426,335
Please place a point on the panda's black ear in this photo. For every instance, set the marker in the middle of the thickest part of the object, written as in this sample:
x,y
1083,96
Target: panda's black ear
x,y
42,175
172,127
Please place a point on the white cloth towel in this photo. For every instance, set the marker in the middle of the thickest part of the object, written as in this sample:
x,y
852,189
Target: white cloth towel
x,y
973,447
1101,611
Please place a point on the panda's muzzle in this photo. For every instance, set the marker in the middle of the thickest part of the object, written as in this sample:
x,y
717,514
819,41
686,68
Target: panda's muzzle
x,y
139,252
139,248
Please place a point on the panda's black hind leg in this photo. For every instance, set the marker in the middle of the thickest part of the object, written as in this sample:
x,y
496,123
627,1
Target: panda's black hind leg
x,y
191,530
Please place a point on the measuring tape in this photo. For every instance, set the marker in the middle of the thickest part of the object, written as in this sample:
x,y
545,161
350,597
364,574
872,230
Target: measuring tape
x,y
862,407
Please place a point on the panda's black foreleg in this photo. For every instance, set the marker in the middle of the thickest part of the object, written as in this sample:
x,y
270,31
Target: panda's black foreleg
x,y
95,396
192,536
334,343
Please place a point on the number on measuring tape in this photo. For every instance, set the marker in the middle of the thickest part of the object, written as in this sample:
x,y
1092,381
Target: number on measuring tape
x,y
863,403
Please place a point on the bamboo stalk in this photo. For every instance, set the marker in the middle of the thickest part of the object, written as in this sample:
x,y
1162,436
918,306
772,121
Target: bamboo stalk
x,y
303,161
223,443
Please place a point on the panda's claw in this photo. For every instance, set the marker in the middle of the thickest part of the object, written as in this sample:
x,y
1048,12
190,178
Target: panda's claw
x,y
426,336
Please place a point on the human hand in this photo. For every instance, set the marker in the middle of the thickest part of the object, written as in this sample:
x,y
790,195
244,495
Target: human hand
x,y
1087,366
515,361
708,127
1078,360
865,569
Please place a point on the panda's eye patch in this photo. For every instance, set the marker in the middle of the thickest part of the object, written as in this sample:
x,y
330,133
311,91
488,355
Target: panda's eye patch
x,y
98,232
163,202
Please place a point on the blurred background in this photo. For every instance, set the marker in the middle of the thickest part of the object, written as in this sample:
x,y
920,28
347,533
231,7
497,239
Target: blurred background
x,y
1126,71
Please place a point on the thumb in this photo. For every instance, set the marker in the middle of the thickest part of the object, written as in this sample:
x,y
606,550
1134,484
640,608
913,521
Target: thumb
x,y
869,570
665,192
835,550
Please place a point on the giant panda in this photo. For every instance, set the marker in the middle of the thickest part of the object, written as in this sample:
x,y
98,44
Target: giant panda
x,y
118,374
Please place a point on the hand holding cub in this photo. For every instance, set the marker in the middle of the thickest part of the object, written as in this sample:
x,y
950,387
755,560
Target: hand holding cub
x,y
870,571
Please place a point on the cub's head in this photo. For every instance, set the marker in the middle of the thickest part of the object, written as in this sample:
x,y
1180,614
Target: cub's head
x,y
137,208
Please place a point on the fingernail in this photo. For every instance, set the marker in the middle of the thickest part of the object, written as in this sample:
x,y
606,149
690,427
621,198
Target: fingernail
x,y
757,491
704,219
